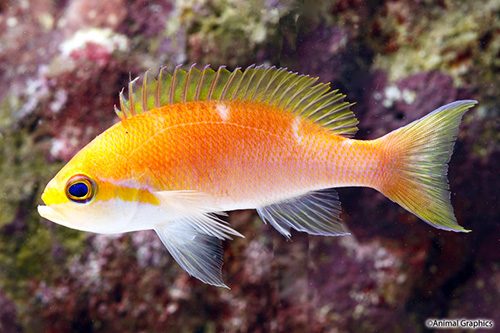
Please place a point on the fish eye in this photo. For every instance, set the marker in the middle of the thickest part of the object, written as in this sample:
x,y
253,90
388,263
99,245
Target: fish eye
x,y
81,189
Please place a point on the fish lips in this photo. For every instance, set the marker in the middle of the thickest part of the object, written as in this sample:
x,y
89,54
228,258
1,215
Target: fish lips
x,y
52,214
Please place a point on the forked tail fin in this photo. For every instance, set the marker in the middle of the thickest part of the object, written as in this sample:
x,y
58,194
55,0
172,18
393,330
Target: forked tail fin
x,y
416,165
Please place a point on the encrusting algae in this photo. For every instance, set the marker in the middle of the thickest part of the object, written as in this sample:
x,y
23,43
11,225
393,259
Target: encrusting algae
x,y
197,143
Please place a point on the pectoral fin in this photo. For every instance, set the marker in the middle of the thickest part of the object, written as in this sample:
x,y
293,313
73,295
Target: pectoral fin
x,y
198,254
316,213
196,245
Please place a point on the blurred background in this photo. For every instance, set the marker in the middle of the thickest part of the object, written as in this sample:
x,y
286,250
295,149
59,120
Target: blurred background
x,y
62,64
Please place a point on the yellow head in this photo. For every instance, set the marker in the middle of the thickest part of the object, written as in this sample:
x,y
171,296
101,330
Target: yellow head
x,y
84,195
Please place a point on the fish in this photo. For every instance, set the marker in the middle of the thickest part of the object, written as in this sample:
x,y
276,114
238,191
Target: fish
x,y
194,144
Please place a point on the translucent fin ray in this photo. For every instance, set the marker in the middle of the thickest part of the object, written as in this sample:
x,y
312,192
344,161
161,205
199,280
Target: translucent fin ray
x,y
299,94
317,213
199,254
420,154
192,203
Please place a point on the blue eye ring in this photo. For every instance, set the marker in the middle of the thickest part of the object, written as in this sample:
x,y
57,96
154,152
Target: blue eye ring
x,y
81,189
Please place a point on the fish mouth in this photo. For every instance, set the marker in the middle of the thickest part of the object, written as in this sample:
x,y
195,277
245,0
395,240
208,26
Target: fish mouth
x,y
55,215
51,214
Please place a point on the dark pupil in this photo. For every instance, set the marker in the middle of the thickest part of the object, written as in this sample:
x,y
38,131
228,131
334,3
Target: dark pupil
x,y
78,190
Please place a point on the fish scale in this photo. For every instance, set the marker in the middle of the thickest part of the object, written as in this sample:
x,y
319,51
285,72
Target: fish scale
x,y
246,153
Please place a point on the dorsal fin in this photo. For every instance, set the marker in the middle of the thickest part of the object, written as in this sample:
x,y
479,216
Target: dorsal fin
x,y
276,87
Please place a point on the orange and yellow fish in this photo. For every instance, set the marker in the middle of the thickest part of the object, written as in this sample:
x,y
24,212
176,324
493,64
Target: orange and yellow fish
x,y
196,143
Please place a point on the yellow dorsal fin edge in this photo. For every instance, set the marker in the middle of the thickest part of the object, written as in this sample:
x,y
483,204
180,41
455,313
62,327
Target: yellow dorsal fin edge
x,y
299,94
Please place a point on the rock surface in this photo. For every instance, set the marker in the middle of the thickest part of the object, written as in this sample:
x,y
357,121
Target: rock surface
x,y
62,64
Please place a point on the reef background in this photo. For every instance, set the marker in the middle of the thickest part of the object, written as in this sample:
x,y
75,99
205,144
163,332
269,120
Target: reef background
x,y
62,64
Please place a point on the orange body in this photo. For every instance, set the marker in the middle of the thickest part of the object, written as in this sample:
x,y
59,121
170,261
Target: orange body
x,y
242,154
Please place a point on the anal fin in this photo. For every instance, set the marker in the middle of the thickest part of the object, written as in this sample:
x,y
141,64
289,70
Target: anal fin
x,y
317,213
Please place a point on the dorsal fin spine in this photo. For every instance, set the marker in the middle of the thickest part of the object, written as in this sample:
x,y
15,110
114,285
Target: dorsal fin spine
x,y
298,85
274,77
295,98
320,104
144,101
255,89
297,101
346,116
120,112
228,83
330,105
158,89
326,118
214,82
307,97
312,98
281,82
131,96
288,87
200,83
261,86
186,84
259,92
171,93
248,89
237,84
212,85
130,101
238,92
